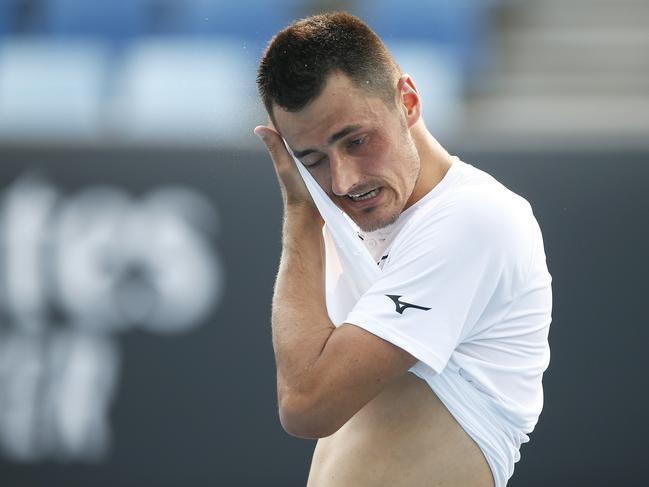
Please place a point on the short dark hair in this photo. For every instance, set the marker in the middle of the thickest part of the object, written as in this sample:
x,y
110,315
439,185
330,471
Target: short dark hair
x,y
298,60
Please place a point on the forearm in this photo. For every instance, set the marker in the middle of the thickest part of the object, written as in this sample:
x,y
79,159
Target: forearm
x,y
301,326
324,374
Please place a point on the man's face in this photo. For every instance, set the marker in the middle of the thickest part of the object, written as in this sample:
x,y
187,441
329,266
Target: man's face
x,y
357,148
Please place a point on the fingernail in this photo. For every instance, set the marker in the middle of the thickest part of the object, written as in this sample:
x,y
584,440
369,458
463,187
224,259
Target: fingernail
x,y
260,133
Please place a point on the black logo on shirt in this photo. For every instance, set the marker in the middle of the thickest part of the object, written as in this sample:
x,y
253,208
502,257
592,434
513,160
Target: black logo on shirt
x,y
402,305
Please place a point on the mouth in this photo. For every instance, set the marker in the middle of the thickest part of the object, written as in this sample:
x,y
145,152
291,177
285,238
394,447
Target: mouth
x,y
364,196
363,201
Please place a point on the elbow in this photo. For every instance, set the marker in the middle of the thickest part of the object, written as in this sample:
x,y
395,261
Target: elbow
x,y
304,417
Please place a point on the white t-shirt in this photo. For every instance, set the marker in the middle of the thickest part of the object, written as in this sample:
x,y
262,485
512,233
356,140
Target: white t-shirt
x,y
465,289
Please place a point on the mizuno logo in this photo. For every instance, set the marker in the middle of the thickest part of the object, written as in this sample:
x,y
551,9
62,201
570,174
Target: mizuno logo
x,y
402,305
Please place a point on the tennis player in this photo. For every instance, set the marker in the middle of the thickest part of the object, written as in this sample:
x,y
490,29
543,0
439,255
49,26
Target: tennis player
x,y
434,375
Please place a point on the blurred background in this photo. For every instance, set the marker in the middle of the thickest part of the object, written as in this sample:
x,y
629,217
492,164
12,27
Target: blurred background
x,y
140,226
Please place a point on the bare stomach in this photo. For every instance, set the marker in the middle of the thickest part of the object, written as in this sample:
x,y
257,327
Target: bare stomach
x,y
403,437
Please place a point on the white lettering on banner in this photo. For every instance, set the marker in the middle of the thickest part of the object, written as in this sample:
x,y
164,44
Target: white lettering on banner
x,y
77,270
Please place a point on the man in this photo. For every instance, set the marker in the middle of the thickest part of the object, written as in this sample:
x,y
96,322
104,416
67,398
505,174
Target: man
x,y
434,377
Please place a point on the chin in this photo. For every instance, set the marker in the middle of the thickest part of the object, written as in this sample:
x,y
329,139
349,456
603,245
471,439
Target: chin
x,y
372,224
370,220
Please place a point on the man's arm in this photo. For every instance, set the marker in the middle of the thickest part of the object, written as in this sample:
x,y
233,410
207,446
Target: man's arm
x,y
324,374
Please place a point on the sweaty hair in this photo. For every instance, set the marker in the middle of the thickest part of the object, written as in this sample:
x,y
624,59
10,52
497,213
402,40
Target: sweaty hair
x,y
298,60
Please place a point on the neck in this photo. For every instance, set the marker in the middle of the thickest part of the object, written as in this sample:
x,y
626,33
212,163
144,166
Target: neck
x,y
434,160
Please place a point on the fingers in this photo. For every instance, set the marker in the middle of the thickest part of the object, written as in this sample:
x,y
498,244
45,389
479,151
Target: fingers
x,y
293,188
276,147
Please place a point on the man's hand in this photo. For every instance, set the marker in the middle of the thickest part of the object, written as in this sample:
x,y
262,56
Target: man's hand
x,y
324,374
294,191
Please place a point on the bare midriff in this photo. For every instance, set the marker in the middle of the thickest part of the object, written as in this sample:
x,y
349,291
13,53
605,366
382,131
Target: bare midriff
x,y
403,437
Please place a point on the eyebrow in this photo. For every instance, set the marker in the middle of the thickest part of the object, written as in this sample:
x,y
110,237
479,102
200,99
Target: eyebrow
x,y
334,138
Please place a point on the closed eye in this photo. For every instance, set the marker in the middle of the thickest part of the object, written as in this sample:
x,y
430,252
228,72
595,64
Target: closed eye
x,y
315,163
357,142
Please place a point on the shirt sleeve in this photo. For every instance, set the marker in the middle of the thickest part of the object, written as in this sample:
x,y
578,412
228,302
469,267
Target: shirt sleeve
x,y
442,272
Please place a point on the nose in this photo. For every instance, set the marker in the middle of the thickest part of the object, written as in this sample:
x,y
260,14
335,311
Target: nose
x,y
344,174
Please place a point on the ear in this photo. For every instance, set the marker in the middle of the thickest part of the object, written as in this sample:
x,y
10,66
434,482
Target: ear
x,y
409,98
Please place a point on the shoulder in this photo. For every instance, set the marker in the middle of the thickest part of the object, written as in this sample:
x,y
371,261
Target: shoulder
x,y
486,207
476,212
